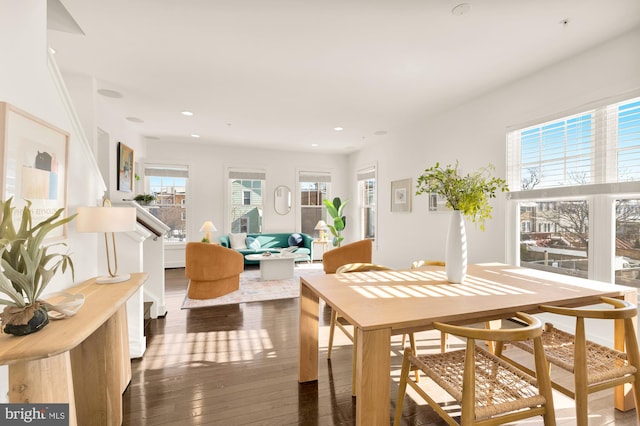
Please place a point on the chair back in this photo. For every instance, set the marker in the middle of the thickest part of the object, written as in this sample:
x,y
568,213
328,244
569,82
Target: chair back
x,y
420,263
361,267
356,252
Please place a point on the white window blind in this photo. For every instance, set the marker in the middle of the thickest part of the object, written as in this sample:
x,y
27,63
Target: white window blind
x,y
166,171
314,177
236,174
597,146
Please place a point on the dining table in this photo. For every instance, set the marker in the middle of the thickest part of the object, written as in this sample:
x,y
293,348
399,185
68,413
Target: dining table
x,y
381,304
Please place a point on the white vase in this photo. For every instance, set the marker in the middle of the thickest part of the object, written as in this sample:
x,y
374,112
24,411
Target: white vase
x,y
456,256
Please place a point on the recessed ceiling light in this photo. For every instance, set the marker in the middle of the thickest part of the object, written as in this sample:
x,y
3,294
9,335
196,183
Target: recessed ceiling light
x,y
380,132
314,145
461,9
338,129
152,138
135,120
187,113
195,135
109,93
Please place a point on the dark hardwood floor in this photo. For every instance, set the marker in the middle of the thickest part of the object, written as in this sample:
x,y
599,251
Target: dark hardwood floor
x,y
237,365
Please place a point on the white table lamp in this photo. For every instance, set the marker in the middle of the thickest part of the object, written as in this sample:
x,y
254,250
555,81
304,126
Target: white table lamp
x,y
107,219
321,226
207,228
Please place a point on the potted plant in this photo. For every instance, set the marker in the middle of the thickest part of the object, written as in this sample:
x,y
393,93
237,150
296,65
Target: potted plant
x,y
27,268
335,208
468,196
145,199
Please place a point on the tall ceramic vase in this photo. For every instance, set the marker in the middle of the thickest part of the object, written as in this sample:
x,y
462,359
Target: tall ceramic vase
x,y
456,256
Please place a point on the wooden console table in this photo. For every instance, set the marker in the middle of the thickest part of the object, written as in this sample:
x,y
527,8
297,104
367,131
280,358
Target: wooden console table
x,y
82,360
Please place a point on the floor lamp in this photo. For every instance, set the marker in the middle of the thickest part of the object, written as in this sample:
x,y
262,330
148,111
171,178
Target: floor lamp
x,y
109,220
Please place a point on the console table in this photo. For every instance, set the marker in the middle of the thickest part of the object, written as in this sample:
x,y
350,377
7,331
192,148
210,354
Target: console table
x,y
82,360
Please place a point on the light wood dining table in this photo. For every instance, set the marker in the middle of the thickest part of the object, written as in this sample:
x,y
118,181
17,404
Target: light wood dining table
x,y
384,303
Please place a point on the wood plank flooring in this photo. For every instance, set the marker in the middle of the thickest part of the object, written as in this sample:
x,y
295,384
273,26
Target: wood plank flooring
x,y
237,365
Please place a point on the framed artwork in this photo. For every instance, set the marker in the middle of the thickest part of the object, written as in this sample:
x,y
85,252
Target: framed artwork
x,y
437,203
33,162
401,195
125,168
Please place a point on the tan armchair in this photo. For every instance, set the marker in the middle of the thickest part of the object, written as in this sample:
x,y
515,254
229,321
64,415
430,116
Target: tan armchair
x,y
358,252
213,270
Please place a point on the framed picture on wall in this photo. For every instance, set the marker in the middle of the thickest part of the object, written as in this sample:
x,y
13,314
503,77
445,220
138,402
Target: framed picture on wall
x,y
125,168
401,195
33,162
437,203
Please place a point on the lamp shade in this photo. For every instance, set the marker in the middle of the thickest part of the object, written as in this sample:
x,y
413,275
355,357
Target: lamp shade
x,y
321,225
208,227
106,219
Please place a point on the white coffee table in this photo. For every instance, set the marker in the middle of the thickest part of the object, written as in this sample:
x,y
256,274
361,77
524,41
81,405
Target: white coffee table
x,y
278,266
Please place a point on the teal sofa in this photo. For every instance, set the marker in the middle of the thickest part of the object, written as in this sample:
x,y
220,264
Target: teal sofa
x,y
259,243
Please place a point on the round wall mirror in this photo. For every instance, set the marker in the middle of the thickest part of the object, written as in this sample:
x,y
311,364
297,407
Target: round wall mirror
x,y
282,200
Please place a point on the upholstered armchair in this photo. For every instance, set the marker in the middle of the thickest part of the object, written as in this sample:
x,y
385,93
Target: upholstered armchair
x,y
357,252
213,270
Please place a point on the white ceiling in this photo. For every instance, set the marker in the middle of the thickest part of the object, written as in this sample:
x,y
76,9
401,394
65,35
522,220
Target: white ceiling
x,y
283,73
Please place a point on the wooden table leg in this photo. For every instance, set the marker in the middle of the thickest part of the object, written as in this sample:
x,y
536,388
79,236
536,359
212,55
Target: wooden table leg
x,y
373,377
308,337
47,380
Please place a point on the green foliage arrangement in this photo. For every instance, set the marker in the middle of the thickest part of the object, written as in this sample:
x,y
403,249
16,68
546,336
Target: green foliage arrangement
x,y
469,194
335,208
145,198
27,267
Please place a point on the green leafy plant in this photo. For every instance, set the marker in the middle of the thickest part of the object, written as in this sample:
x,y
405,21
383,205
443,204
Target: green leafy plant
x,y
335,208
145,198
469,194
27,265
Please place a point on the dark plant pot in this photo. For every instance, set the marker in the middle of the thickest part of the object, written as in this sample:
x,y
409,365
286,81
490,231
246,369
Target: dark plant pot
x,y
39,320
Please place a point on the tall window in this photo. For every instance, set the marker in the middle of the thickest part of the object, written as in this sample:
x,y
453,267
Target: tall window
x,y
367,196
554,235
567,173
627,242
246,189
169,185
314,189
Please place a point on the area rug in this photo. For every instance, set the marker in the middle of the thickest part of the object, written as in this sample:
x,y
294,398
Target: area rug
x,y
254,290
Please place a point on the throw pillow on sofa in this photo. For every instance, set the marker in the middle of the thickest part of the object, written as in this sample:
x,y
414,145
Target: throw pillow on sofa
x,y
252,243
296,240
238,241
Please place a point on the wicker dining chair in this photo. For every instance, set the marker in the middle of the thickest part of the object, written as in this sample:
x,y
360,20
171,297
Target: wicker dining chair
x,y
489,390
335,318
595,367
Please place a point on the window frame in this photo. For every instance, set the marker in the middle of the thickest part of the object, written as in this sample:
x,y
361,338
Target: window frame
x,y
364,174
242,173
600,195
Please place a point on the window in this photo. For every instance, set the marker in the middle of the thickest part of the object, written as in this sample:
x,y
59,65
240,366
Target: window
x,y
314,189
601,145
246,189
560,241
572,171
169,185
627,242
367,196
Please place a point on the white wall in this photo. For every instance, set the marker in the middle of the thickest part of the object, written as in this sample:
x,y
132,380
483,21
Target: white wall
x,y
25,82
474,134
206,193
